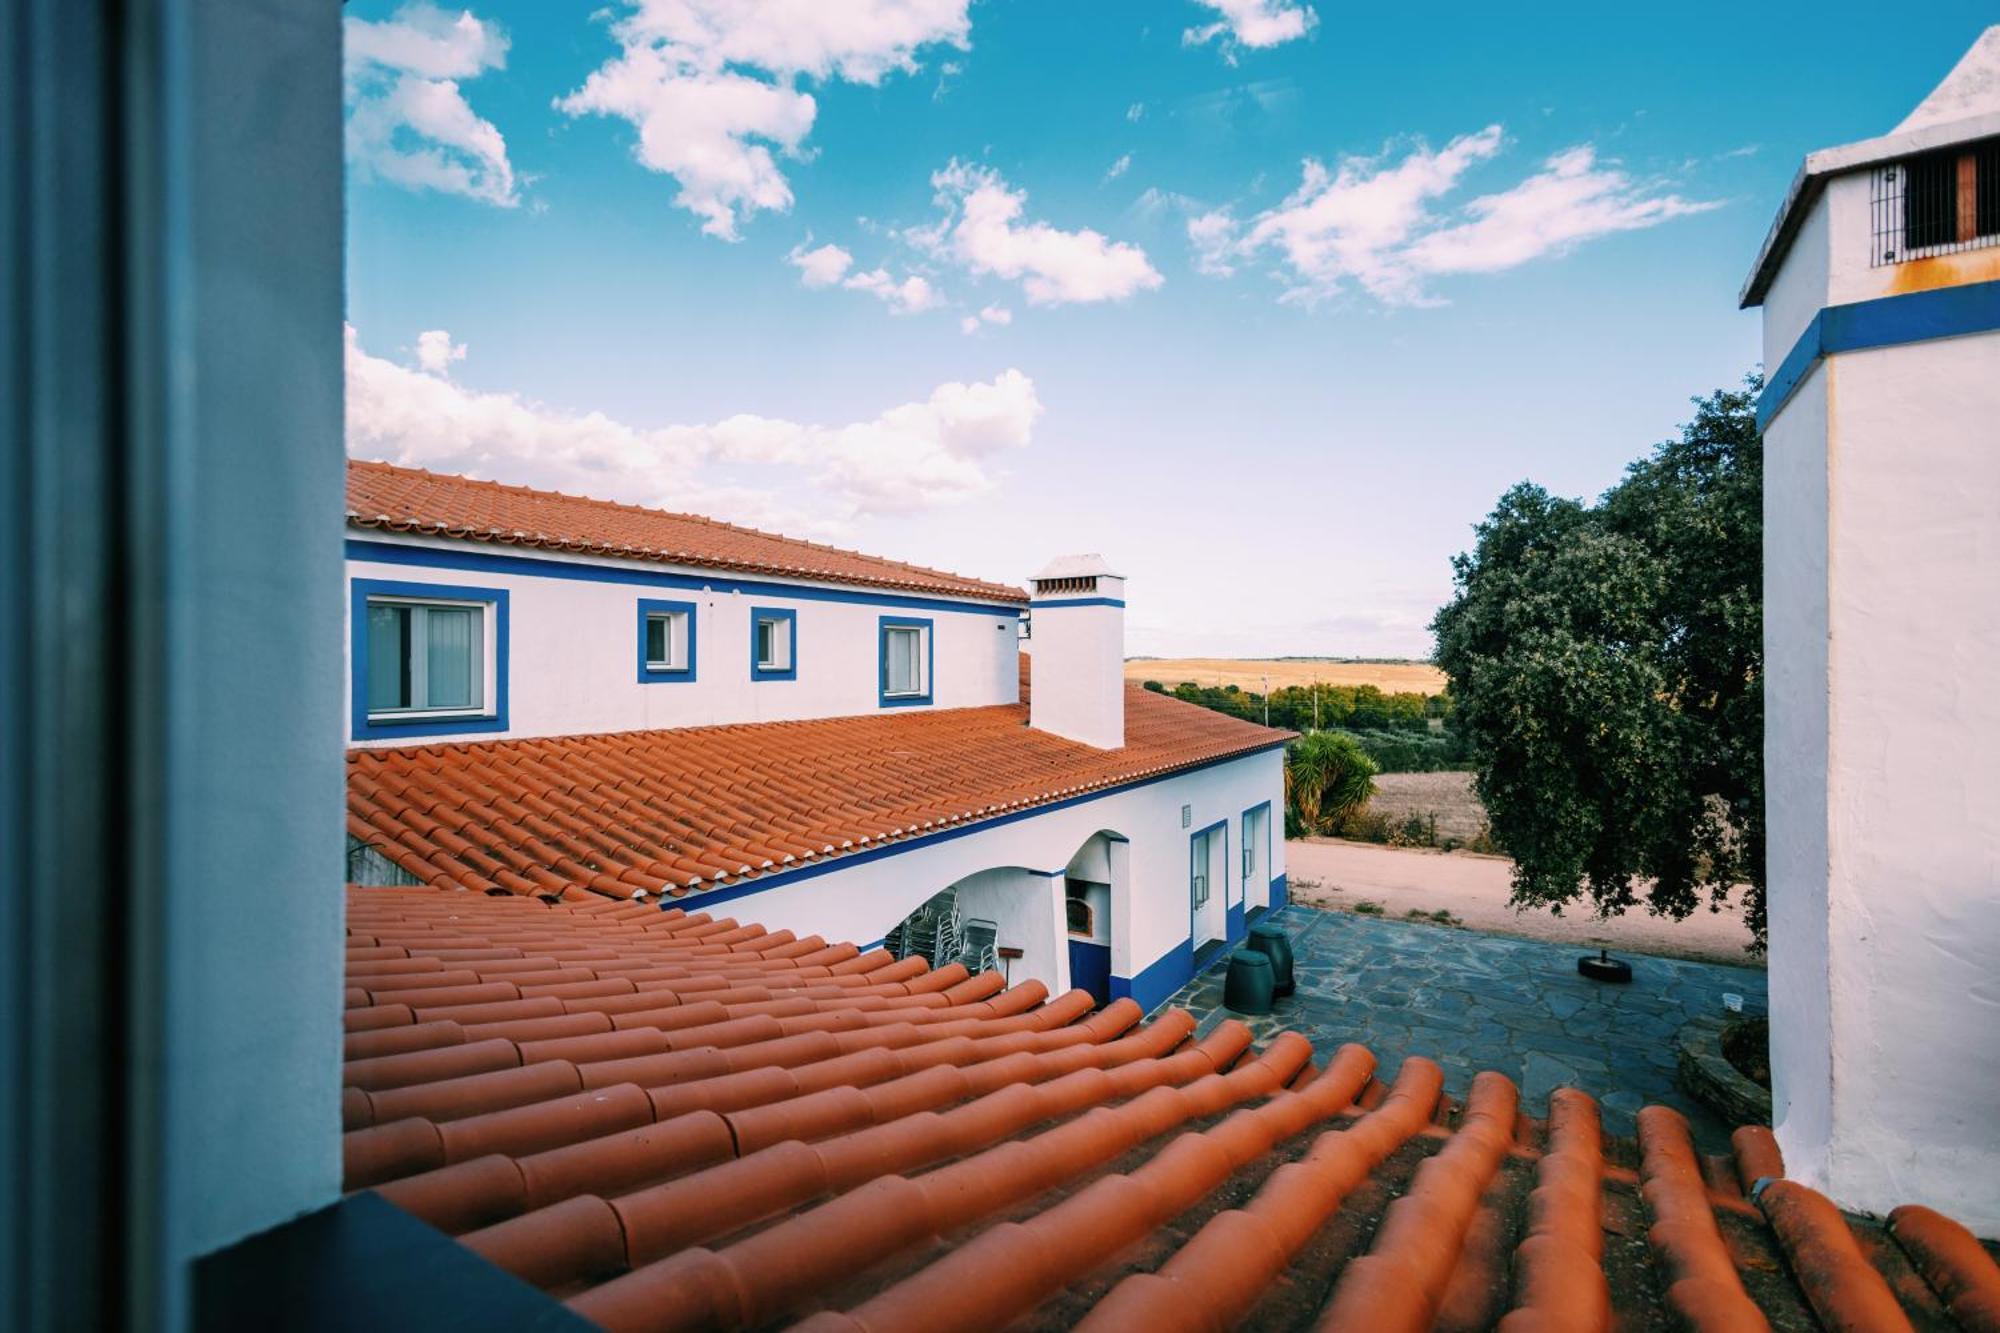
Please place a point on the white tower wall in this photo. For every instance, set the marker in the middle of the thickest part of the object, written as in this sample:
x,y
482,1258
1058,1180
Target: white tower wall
x,y
1882,732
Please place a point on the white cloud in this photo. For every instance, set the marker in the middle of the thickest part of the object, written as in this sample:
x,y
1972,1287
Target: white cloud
x,y
982,230
1572,199
992,314
912,295
828,264
940,450
1136,110
1376,223
821,267
711,86
1119,168
1252,23
407,118
436,351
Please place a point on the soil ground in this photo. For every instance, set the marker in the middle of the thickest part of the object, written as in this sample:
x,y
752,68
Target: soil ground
x,y
1473,889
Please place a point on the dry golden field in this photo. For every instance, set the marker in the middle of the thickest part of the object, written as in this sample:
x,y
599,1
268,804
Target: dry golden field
x,y
1250,673
1448,796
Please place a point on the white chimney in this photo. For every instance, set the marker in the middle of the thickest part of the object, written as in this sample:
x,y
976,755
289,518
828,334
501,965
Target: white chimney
x,y
1077,643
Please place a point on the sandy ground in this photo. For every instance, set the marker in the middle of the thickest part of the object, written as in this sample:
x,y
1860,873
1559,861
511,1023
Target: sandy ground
x,y
1326,872
1247,673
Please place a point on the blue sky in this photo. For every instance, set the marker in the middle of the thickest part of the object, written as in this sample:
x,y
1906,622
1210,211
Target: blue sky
x,y
1267,302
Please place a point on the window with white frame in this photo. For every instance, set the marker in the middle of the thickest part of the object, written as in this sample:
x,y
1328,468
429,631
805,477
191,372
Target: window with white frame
x,y
666,641
906,659
427,658
771,641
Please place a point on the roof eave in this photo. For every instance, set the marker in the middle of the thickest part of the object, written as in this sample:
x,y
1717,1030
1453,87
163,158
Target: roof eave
x,y
999,597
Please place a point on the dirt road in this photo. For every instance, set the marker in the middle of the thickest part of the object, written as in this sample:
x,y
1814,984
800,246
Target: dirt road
x,y
1342,875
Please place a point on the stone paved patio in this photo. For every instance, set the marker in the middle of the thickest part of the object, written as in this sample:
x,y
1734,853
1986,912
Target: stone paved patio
x,y
1472,1001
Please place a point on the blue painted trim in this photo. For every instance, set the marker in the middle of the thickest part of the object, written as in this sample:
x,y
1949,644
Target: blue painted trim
x,y
1281,892
393,553
1159,979
1080,601
1887,321
1234,926
882,627
652,675
790,671
362,727
783,879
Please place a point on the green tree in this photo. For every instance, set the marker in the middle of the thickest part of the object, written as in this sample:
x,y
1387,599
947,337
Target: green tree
x,y
1327,774
1606,673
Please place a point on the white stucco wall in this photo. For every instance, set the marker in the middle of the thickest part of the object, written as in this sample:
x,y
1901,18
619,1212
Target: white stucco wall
x,y
1882,628
1026,907
862,901
1800,288
573,647
1914,777
1797,703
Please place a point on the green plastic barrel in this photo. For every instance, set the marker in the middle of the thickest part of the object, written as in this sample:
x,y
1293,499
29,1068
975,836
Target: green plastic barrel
x,y
1274,943
1247,987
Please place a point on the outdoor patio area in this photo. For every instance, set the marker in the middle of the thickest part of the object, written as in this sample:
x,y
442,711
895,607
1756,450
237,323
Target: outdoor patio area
x,y
1472,1001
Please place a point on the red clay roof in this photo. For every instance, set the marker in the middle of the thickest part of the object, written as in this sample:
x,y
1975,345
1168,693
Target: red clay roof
x,y
672,1122
432,504
670,811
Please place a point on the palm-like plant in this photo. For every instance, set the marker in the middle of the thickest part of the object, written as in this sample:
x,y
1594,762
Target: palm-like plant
x,y
1327,775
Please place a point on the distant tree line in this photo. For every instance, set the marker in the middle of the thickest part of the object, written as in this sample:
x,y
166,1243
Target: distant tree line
x,y
1400,733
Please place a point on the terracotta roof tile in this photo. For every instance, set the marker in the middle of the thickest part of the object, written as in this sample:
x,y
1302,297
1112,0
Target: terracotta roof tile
x,y
431,504
674,811
868,1144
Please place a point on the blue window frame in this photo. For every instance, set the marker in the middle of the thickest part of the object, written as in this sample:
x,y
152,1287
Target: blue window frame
x,y
903,660
774,643
666,641
426,659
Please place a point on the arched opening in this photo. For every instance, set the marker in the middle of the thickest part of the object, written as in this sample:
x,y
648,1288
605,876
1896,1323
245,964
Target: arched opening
x,y
1007,919
1088,894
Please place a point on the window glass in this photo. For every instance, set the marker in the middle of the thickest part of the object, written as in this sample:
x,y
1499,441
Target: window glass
x,y
656,641
423,656
904,654
767,643
453,669
388,656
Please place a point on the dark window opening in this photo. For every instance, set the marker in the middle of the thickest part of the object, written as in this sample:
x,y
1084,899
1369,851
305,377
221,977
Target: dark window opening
x,y
1930,201
1082,920
1937,203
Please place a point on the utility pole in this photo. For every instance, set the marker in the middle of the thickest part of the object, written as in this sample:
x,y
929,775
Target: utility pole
x,y
1315,705
1267,700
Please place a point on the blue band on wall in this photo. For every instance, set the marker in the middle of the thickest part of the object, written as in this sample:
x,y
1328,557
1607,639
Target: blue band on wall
x,y
1888,321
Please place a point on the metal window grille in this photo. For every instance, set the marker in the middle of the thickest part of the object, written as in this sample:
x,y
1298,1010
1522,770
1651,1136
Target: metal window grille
x,y
1938,204
1201,890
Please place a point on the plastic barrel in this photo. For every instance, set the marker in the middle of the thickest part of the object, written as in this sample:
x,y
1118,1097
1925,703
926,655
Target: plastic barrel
x,y
1247,987
1272,941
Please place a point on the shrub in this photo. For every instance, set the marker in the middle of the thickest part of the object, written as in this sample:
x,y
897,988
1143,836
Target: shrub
x,y
1327,775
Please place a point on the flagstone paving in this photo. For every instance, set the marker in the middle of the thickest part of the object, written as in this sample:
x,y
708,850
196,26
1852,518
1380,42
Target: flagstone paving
x,y
1472,1001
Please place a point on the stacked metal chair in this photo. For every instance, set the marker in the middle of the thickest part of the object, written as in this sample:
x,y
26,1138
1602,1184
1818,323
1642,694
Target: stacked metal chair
x,y
931,932
978,949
